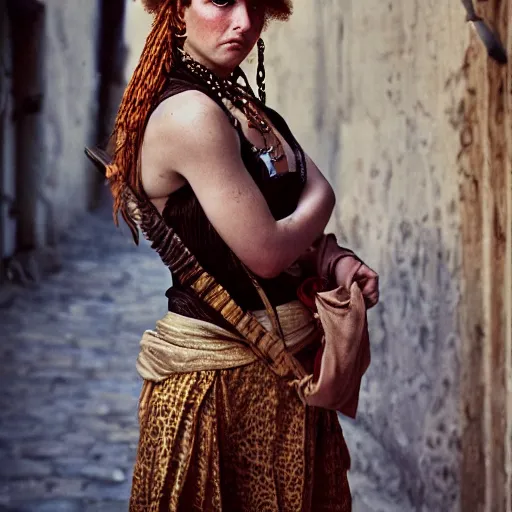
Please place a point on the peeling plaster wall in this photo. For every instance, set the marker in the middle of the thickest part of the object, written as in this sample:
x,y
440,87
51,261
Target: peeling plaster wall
x,y
400,106
49,92
375,100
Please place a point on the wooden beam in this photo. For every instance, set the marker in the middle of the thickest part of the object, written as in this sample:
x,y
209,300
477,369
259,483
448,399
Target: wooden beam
x,y
486,209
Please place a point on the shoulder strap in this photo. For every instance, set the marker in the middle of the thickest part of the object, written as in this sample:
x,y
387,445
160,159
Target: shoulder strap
x,y
272,314
268,346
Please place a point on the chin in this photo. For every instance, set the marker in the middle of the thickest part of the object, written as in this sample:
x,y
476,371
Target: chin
x,y
226,67
230,62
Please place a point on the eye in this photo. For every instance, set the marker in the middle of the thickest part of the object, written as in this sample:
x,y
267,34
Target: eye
x,y
222,3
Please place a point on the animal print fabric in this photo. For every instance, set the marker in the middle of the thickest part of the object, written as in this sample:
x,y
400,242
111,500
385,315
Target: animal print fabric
x,y
238,440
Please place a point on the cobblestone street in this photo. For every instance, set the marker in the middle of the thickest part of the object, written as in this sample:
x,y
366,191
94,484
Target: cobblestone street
x,y
68,428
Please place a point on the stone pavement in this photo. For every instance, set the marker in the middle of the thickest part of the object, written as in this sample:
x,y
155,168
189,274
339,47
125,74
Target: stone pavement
x,y
69,388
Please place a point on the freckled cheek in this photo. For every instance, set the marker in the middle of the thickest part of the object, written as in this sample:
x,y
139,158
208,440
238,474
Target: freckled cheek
x,y
210,31
213,23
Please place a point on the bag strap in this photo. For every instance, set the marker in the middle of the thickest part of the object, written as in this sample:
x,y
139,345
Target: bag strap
x,y
268,346
271,312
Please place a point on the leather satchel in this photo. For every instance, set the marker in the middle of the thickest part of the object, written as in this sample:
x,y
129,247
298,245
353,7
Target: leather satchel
x,y
344,355
345,352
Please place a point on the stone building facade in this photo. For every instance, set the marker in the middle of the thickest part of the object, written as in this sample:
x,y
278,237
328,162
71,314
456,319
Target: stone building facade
x,y
54,83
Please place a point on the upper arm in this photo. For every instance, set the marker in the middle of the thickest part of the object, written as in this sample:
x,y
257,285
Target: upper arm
x,y
195,139
313,172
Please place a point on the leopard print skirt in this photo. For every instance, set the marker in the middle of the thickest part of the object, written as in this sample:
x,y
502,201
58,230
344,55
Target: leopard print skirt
x,y
238,440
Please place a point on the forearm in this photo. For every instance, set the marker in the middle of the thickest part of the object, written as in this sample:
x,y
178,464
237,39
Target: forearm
x,y
311,216
322,257
295,233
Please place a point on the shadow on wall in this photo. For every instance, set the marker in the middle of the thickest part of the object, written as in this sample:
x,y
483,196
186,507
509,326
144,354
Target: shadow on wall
x,y
412,385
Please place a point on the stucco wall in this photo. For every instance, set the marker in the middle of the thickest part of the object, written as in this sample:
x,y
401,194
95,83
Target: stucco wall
x,y
49,91
138,25
70,106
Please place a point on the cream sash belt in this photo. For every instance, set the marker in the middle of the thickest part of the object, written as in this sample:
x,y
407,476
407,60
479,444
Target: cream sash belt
x,y
180,344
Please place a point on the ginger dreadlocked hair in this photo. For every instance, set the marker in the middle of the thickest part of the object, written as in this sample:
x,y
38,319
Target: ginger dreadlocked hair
x,y
145,87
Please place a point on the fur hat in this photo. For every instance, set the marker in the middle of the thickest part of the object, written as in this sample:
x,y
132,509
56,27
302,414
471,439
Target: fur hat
x,y
276,9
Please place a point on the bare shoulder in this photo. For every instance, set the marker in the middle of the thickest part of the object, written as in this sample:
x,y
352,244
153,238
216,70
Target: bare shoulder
x,y
187,137
190,120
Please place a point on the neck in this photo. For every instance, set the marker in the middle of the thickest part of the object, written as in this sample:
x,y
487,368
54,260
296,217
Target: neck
x,y
228,87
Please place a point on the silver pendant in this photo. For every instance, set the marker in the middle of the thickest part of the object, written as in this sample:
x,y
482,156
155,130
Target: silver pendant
x,y
265,156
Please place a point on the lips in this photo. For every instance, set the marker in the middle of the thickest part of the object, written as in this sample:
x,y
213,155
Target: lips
x,y
239,42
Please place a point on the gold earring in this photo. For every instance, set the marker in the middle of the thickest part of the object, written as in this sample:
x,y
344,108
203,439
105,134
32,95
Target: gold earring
x,y
176,34
180,26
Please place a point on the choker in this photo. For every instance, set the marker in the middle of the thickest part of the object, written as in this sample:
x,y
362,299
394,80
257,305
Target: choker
x,y
242,97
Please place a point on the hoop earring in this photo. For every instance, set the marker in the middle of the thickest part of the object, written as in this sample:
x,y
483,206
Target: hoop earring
x,y
179,26
176,34
260,74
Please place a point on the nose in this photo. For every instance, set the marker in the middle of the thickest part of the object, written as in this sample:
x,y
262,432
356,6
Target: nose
x,y
241,17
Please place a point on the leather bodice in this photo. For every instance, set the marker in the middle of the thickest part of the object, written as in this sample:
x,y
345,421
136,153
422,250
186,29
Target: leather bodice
x,y
185,215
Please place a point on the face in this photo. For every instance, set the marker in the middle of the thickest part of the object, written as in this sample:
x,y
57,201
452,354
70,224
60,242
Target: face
x,y
221,33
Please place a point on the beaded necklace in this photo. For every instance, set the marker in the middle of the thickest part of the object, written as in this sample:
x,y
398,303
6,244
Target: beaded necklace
x,y
243,98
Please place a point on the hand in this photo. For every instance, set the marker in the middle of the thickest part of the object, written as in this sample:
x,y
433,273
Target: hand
x,y
368,282
350,269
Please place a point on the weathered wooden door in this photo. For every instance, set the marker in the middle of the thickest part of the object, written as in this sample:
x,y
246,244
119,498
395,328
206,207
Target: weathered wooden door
x,y
7,143
27,20
485,162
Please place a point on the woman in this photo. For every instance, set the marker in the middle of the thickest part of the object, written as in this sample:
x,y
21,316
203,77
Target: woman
x,y
224,432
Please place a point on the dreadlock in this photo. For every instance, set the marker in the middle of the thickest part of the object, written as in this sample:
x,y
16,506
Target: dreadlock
x,y
145,87
146,84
